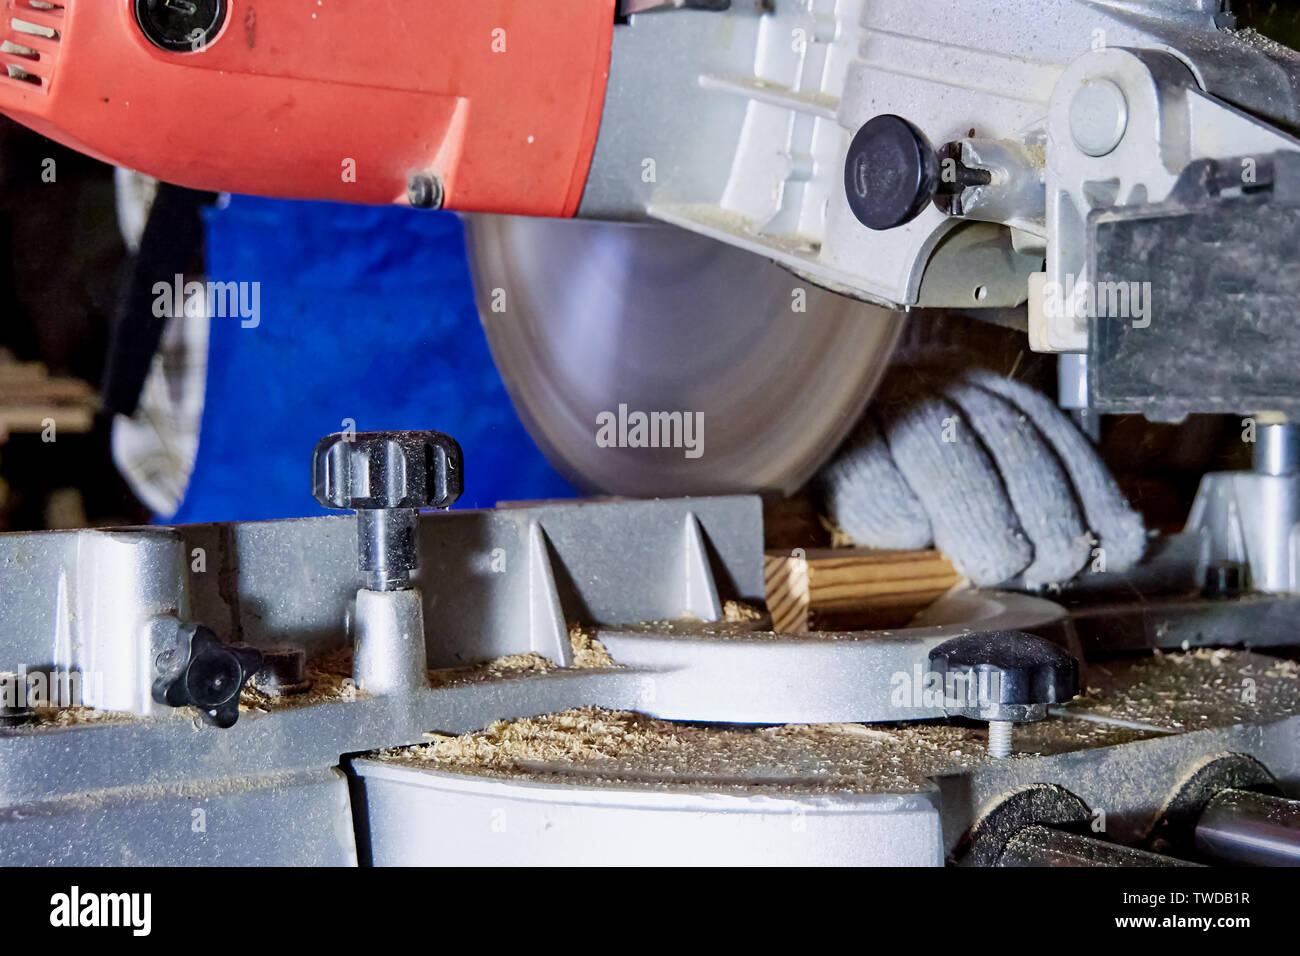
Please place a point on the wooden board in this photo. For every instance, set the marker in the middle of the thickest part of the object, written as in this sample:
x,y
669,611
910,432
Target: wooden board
x,y
832,589
30,396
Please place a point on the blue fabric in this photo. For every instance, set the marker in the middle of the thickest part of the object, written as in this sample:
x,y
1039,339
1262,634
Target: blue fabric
x,y
366,314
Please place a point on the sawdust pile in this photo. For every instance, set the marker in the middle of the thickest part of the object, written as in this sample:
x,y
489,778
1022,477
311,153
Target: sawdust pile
x,y
331,673
733,612
331,681
76,716
587,651
594,746
1192,690
501,668
1139,699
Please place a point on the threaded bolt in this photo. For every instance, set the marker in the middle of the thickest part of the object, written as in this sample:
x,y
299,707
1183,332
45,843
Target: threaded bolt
x,y
1000,739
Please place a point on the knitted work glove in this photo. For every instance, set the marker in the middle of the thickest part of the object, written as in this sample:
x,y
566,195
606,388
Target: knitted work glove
x,y
987,470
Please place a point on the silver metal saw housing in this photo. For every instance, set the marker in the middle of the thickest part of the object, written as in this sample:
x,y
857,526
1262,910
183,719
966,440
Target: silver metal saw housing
x,y
735,125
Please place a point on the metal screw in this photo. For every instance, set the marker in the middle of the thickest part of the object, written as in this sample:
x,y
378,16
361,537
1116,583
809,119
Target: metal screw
x,y
953,184
1000,739
424,191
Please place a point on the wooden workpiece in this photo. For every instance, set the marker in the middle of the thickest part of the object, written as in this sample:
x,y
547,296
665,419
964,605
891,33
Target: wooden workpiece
x,y
834,589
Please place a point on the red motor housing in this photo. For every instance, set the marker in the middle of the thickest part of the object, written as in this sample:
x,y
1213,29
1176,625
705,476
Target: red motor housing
x,y
325,99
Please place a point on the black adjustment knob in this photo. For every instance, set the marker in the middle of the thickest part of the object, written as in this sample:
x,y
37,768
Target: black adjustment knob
x,y
200,671
385,477
1004,675
180,26
377,470
891,173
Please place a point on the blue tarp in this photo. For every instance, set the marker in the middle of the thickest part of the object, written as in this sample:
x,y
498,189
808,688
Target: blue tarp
x,y
365,314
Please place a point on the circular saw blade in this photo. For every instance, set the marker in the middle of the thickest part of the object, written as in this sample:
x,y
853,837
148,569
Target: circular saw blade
x,y
592,322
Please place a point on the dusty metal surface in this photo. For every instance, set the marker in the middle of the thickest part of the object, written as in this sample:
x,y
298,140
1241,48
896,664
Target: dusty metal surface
x,y
1122,749
1182,692
741,673
1126,702
493,583
1216,334
897,792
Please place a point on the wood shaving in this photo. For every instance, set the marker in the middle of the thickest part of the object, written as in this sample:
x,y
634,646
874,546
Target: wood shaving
x,y
331,681
587,650
501,668
737,612
331,673
1193,690
593,746
839,537
588,653
76,716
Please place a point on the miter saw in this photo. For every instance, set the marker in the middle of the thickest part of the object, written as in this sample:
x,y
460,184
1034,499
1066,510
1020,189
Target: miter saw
x,y
902,153
763,189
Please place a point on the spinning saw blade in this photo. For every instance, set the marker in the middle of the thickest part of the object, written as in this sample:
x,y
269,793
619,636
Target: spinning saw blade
x,y
586,317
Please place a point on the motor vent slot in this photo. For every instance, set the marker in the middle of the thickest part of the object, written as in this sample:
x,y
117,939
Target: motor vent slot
x,y
29,49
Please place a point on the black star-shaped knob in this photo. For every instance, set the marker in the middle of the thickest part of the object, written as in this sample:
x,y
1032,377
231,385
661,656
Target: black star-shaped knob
x,y
202,672
1004,675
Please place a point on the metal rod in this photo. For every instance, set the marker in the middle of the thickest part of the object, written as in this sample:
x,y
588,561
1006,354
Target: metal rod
x,y
387,547
1045,846
1277,449
1250,829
